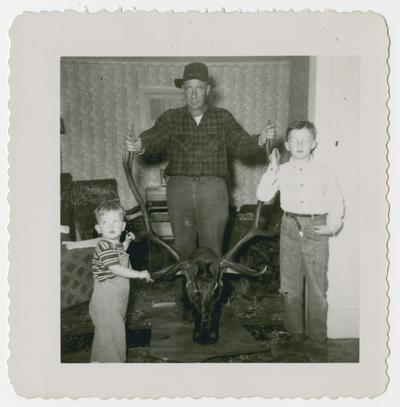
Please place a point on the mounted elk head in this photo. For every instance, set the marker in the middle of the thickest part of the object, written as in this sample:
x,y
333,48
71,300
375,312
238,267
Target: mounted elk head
x,y
203,271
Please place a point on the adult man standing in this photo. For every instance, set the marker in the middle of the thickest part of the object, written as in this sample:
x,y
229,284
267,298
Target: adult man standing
x,y
197,139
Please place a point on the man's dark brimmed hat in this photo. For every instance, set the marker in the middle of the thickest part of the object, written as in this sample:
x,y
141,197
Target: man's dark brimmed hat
x,y
195,70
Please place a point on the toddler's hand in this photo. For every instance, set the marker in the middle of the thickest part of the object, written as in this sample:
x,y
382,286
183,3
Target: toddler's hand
x,y
130,236
146,275
128,239
322,230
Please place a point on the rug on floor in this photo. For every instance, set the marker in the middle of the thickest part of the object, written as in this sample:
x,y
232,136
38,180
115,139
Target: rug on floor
x,y
172,339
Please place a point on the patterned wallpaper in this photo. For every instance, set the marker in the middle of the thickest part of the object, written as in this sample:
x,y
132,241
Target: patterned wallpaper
x,y
100,95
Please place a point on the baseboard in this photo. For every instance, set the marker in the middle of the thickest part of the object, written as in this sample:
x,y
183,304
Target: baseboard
x,y
343,322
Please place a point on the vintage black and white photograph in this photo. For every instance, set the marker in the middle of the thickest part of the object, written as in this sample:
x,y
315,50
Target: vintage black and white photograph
x,y
205,216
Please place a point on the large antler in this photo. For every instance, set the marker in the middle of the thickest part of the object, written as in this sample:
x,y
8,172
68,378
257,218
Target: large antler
x,y
227,261
127,161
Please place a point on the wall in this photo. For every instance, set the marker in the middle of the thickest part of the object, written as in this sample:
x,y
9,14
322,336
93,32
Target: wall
x,y
100,95
334,103
298,88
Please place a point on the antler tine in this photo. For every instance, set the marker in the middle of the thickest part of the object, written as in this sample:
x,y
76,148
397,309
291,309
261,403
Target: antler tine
x,y
227,261
254,231
154,238
169,270
256,220
127,161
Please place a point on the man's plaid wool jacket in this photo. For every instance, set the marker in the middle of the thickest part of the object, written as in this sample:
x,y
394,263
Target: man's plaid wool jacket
x,y
197,150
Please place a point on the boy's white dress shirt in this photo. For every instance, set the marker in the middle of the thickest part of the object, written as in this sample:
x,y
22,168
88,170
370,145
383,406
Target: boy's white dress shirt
x,y
306,187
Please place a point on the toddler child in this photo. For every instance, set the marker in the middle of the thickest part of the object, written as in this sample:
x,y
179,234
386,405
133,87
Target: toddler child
x,y
111,275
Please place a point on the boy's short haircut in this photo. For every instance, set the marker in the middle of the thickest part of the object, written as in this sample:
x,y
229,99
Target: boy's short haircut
x,y
301,124
109,206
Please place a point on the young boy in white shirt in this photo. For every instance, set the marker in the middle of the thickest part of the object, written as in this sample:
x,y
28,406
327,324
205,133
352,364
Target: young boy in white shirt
x,y
313,210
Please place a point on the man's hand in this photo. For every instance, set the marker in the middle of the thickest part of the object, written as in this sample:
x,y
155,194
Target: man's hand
x,y
134,144
267,133
323,230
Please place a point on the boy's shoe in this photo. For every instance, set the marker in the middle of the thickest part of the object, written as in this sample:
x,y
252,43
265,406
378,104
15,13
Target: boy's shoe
x,y
298,338
293,339
316,342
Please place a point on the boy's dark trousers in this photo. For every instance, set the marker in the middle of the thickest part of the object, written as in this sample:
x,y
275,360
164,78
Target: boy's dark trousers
x,y
304,258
